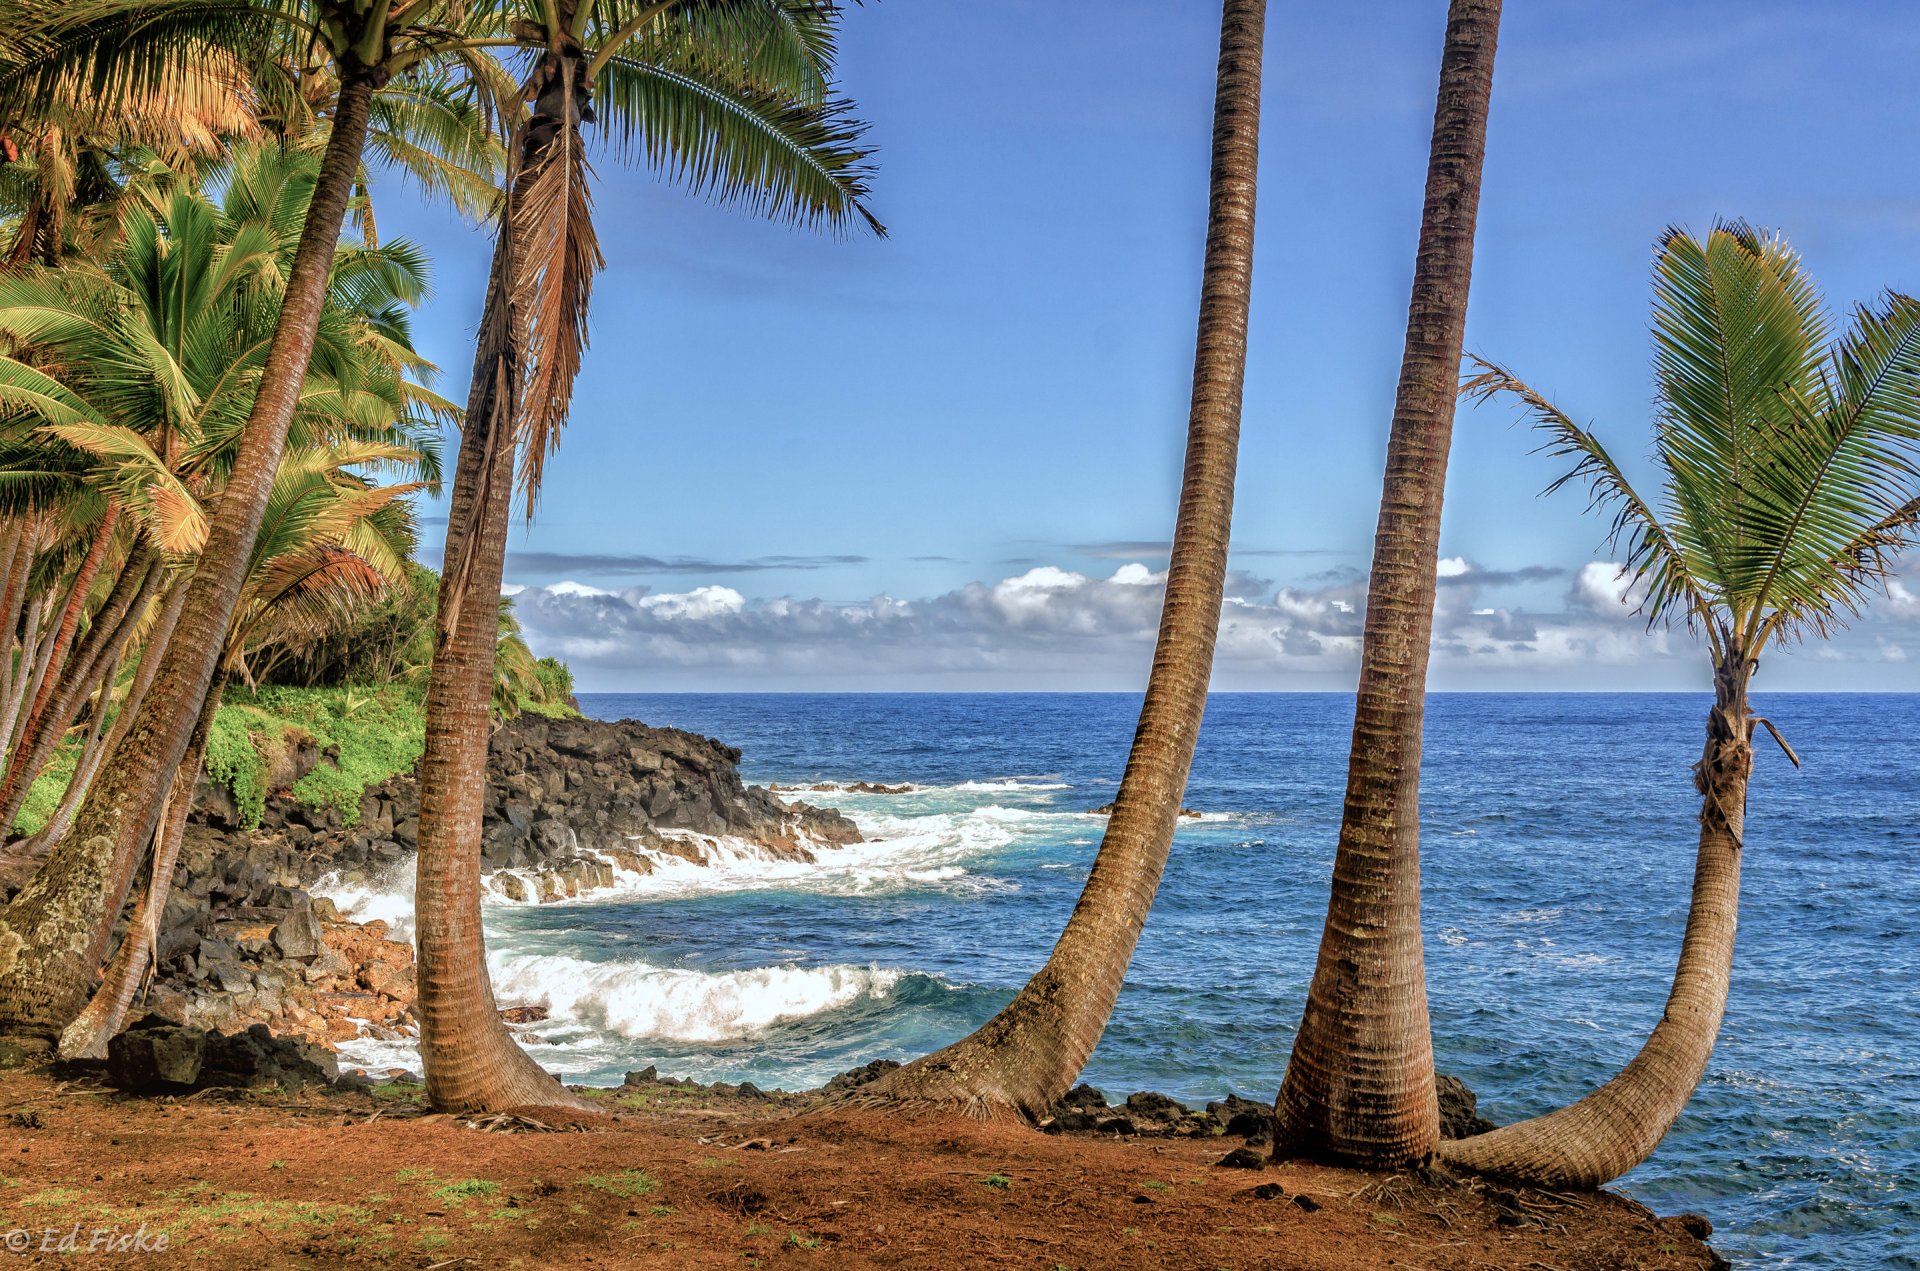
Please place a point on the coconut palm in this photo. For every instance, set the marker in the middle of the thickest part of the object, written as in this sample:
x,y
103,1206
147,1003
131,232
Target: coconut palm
x,y
1360,1085
75,140
1023,1059
190,380
168,340
731,98
114,46
1790,475
331,542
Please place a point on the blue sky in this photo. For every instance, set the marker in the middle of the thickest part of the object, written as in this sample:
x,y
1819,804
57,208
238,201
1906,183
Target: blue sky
x,y
796,462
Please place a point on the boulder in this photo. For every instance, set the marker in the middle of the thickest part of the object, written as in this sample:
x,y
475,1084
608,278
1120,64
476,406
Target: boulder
x,y
854,1078
155,1055
1244,1118
1459,1109
297,935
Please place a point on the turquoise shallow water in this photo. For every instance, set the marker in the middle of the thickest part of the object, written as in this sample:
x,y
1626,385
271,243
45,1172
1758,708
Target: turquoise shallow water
x,y
1558,839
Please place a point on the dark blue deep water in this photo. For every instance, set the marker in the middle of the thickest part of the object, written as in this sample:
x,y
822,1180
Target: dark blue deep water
x,y
1558,839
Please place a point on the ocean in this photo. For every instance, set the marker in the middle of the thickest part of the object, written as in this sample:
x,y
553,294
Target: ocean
x,y
1558,838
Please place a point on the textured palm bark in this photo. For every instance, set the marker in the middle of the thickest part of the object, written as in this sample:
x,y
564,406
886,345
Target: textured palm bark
x,y
29,643
12,535
34,649
112,628
89,768
12,609
1601,1137
1359,1087
471,1063
50,945
1023,1059
55,680
106,1011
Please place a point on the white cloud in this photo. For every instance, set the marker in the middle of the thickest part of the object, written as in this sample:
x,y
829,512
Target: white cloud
x,y
1053,628
571,588
698,604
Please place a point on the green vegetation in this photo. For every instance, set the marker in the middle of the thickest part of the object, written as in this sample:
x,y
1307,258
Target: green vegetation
x,y
367,735
366,732
466,1189
627,1184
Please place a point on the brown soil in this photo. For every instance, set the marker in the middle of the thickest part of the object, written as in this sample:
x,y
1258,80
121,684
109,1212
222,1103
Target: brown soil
x,y
334,1179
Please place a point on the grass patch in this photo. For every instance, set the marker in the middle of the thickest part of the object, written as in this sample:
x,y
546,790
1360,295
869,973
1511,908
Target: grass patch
x,y
466,1189
627,1184
999,1182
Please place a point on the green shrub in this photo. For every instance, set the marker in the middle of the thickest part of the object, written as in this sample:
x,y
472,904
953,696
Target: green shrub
x,y
375,733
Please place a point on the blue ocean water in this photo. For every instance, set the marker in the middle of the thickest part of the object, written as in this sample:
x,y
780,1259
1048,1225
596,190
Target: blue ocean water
x,y
1558,836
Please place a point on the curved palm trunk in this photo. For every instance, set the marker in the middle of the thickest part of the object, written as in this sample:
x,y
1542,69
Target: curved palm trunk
x,y
1618,1126
153,648
12,793
1359,1086
113,627
470,1061
106,1011
51,938
1023,1059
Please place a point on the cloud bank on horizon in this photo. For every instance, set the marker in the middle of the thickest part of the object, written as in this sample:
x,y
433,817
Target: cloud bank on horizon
x,y
1050,628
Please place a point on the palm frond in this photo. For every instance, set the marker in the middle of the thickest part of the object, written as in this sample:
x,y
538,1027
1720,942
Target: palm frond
x,y
556,255
1654,558
776,158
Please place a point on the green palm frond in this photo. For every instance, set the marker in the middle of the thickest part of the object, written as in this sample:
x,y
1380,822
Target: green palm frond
x,y
1790,463
796,163
1654,560
782,47
433,127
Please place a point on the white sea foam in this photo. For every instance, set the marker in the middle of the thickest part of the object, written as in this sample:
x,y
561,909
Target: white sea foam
x,y
595,1008
636,1000
387,897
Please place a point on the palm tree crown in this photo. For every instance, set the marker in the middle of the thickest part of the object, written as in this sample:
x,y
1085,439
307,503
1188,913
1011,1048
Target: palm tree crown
x,y
1789,464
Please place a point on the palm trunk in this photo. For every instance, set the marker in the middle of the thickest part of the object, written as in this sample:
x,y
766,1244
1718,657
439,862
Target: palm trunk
x,y
1619,1125
13,602
106,1011
471,1062
1360,1086
84,774
70,616
1023,1059
33,650
113,627
92,752
50,944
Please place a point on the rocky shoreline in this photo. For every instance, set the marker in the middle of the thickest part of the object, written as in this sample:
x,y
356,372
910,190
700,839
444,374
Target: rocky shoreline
x,y
572,804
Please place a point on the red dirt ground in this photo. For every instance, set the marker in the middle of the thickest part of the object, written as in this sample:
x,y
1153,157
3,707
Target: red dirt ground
x,y
253,1180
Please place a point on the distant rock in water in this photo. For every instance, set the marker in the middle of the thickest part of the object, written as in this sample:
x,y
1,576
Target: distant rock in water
x,y
571,804
1106,809
858,787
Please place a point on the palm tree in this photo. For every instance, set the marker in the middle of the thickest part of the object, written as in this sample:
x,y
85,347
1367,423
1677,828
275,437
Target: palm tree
x,y
732,98
331,543
193,389
75,139
1790,474
1360,1085
1024,1058
167,340
114,46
